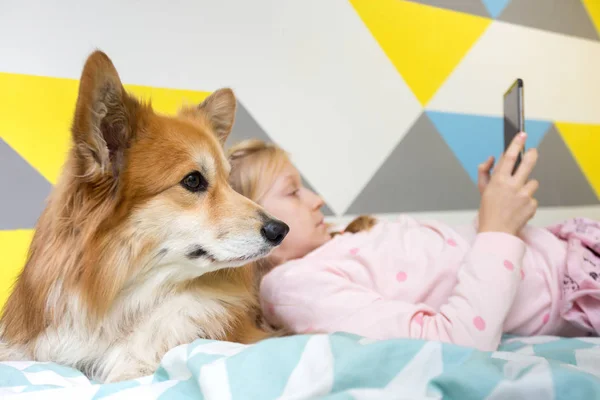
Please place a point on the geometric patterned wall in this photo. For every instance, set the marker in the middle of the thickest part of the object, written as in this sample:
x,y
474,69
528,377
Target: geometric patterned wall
x,y
386,106
568,170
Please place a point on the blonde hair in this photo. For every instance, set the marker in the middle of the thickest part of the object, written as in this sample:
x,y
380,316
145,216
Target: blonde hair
x,y
255,165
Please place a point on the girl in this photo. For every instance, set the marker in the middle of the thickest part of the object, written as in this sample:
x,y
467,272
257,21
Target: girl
x,y
423,279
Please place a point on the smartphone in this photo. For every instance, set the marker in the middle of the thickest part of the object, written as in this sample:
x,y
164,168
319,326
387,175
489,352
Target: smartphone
x,y
514,116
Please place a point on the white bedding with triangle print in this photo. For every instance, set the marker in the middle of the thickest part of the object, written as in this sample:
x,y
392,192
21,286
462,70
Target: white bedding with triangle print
x,y
338,366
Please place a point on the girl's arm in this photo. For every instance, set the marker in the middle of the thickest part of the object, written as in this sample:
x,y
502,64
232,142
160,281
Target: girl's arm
x,y
322,298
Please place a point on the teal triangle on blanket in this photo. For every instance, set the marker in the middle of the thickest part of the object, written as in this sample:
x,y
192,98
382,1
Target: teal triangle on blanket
x,y
66,372
456,355
351,336
187,389
474,375
512,346
570,383
269,361
377,362
10,377
112,388
160,375
507,336
563,350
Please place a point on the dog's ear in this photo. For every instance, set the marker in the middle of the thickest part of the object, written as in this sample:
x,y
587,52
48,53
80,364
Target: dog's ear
x,y
105,119
219,109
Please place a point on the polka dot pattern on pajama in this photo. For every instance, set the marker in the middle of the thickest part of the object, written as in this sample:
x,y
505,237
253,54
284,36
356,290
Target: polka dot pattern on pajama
x,y
419,319
546,318
479,323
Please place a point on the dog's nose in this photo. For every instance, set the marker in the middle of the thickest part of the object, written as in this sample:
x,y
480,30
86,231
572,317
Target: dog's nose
x,y
274,231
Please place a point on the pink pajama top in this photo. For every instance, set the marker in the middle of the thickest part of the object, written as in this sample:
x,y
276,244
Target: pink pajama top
x,y
424,279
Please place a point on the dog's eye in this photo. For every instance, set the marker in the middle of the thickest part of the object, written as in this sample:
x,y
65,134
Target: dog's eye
x,y
194,182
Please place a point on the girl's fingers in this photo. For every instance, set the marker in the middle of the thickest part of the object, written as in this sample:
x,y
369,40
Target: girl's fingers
x,y
483,177
530,188
526,166
509,158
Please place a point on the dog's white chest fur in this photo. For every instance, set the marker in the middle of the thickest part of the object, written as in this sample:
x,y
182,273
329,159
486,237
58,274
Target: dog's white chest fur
x,y
132,338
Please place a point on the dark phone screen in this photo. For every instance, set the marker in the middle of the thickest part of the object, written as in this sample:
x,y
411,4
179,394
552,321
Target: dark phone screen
x,y
513,115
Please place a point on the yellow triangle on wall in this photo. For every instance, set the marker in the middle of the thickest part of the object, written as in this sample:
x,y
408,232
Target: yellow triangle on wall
x,y
36,114
167,101
593,9
13,247
424,43
584,143
35,119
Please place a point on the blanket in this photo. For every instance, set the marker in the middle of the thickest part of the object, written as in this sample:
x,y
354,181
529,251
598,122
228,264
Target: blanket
x,y
337,366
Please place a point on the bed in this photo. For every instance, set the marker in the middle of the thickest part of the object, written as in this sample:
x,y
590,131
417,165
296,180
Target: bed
x,y
337,366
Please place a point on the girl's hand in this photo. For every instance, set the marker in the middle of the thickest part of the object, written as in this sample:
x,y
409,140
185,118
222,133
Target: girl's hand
x,y
484,175
507,202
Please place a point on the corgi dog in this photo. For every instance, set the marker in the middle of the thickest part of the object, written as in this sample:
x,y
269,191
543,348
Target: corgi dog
x,y
137,248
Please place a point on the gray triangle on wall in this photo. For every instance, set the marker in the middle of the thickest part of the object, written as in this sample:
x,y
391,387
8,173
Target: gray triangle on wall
x,y
562,183
474,7
246,127
24,191
568,17
421,174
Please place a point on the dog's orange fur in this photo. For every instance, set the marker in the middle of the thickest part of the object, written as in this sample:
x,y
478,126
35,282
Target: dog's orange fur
x,y
89,273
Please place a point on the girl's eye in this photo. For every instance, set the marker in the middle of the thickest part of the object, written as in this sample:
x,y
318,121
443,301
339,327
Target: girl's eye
x,y
295,192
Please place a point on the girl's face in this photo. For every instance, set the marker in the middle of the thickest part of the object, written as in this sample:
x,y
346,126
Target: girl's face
x,y
300,209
